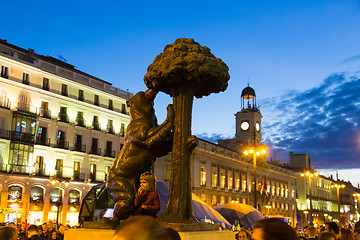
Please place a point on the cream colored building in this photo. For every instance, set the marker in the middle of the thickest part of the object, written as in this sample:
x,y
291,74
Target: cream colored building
x,y
55,121
222,174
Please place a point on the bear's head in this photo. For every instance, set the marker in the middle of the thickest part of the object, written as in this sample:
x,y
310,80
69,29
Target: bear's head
x,y
142,105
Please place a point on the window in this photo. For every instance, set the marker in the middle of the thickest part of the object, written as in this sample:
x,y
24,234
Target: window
x,y
222,179
80,121
214,177
96,124
15,194
214,200
64,90
93,172
54,195
107,170
81,95
94,146
96,100
39,166
110,127
202,176
222,200
59,168
78,143
123,108
63,117
41,136
46,84
74,197
230,181
44,110
25,79
122,130
4,72
36,195
109,152
77,170
237,182
243,183
60,141
111,105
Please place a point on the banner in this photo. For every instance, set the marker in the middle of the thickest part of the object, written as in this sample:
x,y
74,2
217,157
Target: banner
x,y
10,210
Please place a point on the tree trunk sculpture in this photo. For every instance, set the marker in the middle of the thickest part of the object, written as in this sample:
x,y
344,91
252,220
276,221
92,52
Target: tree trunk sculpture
x,y
185,69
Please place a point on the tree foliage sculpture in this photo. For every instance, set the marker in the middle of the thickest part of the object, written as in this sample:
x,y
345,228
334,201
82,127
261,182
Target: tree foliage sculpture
x,y
185,69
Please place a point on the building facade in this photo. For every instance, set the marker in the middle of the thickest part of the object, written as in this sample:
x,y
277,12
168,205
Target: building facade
x,y
55,122
221,173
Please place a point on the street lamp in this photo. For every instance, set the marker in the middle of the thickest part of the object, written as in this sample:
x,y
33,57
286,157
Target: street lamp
x,y
338,186
58,202
256,151
268,207
310,174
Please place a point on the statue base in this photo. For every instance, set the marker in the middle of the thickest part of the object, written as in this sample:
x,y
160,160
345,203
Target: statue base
x,y
96,234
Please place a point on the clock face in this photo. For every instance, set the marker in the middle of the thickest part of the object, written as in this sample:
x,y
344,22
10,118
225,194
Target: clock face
x,y
244,126
257,126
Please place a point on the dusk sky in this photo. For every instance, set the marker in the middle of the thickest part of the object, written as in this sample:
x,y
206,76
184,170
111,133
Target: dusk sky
x,y
301,57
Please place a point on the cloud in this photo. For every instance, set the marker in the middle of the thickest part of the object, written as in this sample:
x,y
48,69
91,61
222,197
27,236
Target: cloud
x,y
323,122
351,59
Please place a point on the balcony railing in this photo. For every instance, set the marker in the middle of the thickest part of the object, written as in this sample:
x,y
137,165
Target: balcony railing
x,y
96,126
4,103
95,150
79,148
43,141
15,168
62,144
43,112
110,129
22,137
109,153
80,121
79,176
25,107
5,134
63,117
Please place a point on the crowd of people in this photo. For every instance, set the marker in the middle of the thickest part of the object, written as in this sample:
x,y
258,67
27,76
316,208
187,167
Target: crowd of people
x,y
46,231
276,229
148,228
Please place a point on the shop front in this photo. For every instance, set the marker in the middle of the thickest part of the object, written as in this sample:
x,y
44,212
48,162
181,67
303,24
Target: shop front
x,y
14,211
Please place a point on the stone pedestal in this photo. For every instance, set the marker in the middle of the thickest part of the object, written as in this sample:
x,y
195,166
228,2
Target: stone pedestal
x,y
107,234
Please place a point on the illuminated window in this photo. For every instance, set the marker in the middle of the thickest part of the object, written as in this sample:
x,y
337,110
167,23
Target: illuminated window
x,y
230,181
292,193
214,200
286,192
36,195
202,176
203,197
93,172
222,200
222,179
74,197
81,95
26,79
237,182
96,100
282,205
282,190
111,104
243,183
59,168
54,195
110,127
77,170
46,85
64,90
286,206
214,177
107,170
122,130
95,123
15,194
4,72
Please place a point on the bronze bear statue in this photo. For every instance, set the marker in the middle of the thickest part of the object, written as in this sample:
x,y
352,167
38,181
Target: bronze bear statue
x,y
144,141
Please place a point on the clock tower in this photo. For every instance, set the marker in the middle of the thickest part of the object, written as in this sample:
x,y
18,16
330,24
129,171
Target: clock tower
x,y
248,123
248,120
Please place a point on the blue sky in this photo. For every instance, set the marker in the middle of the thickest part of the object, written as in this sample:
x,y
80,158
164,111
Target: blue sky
x,y
291,52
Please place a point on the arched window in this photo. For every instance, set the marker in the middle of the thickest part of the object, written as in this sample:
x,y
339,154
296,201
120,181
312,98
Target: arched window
x,y
36,195
15,194
74,197
54,195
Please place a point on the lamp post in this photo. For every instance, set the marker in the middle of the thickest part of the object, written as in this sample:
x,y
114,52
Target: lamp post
x,y
338,186
59,202
255,152
268,209
306,213
310,174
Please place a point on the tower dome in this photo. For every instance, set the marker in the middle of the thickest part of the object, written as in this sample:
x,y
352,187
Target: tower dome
x,y
248,93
